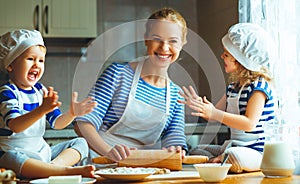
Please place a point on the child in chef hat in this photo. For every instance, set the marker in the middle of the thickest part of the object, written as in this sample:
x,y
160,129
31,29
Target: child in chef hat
x,y
249,100
25,107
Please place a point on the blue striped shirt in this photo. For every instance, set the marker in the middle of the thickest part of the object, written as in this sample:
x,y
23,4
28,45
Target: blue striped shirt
x,y
111,93
16,102
268,114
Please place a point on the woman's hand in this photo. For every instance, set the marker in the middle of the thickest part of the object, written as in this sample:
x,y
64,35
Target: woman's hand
x,y
81,108
119,152
176,149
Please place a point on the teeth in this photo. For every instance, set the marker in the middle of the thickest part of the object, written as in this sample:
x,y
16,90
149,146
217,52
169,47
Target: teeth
x,y
33,73
164,57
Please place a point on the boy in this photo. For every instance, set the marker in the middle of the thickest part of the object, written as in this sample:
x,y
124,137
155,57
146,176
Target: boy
x,y
27,104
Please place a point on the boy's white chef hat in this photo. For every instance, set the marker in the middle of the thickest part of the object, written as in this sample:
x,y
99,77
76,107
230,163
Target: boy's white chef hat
x,y
249,44
14,43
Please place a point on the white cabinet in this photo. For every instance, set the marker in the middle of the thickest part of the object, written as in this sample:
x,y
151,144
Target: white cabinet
x,y
53,18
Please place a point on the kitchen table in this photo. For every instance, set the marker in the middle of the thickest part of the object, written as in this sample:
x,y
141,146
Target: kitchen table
x,y
190,175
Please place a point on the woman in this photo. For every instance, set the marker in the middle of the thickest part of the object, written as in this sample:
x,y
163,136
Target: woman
x,y
137,104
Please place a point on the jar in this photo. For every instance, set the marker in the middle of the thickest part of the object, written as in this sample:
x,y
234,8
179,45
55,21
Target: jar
x,y
277,158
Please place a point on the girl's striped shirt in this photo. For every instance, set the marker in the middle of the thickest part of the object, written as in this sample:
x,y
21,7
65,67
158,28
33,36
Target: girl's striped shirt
x,y
268,114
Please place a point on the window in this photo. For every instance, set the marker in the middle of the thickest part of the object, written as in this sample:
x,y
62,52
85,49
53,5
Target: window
x,y
280,18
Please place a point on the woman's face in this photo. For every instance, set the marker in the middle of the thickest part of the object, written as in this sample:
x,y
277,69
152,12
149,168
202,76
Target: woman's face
x,y
28,68
230,63
164,42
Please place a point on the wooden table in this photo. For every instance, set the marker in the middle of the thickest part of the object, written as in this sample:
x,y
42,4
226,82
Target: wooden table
x,y
191,176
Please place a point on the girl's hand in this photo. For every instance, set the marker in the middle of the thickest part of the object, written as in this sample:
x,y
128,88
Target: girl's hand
x,y
203,109
190,96
202,106
81,108
50,100
118,152
176,149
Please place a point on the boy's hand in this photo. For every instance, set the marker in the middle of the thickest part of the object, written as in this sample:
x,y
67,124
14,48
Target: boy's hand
x,y
50,100
81,108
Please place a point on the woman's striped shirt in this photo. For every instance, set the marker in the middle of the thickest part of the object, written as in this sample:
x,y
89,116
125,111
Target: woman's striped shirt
x,y
111,92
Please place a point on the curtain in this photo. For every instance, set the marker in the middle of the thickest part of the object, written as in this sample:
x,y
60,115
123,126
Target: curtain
x,y
279,18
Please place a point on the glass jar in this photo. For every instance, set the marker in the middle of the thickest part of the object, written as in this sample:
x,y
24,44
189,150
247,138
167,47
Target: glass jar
x,y
277,158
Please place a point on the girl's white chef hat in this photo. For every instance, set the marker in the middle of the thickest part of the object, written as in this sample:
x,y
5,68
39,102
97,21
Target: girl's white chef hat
x,y
14,43
249,44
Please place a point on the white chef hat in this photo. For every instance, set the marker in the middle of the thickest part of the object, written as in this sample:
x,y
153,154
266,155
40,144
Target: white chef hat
x,y
14,43
249,44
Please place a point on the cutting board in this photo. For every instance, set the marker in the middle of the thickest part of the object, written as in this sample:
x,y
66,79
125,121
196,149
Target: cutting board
x,y
154,158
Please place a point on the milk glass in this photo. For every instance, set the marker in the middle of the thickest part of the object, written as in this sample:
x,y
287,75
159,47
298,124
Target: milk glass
x,y
277,158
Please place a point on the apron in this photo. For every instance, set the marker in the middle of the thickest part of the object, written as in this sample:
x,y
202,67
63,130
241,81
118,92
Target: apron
x,y
30,141
141,124
239,137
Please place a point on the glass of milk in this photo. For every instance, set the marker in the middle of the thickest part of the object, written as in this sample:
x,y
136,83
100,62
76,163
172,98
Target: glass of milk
x,y
278,160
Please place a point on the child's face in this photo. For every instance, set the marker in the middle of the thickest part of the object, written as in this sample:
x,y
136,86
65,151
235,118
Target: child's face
x,y
28,68
164,43
230,63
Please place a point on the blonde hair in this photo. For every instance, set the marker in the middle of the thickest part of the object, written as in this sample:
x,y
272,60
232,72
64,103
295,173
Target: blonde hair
x,y
171,15
245,76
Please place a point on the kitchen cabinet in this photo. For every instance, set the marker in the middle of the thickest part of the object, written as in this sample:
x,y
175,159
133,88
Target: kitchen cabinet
x,y
53,18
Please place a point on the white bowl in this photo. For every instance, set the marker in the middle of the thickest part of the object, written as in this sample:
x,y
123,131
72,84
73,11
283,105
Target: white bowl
x,y
212,172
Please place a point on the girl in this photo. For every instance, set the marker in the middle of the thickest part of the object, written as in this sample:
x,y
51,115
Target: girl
x,y
248,103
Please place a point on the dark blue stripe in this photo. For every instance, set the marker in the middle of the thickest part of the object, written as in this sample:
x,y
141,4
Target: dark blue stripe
x,y
6,95
30,107
11,112
267,112
269,105
256,132
38,86
268,119
52,115
32,91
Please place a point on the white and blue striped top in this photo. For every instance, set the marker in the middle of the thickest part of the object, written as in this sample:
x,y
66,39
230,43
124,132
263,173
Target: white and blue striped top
x,y
16,102
111,93
268,114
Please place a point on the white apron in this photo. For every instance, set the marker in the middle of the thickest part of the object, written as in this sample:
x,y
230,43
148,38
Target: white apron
x,y
141,124
239,137
30,141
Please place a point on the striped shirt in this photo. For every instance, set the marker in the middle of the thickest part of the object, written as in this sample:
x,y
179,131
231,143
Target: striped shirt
x,y
268,114
16,102
111,93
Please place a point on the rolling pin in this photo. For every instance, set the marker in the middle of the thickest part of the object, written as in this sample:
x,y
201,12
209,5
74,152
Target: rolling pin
x,y
153,158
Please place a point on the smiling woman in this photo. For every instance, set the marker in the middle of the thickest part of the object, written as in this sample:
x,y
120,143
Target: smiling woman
x,y
137,102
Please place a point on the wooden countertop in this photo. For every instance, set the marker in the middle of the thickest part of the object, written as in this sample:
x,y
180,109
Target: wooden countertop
x,y
190,175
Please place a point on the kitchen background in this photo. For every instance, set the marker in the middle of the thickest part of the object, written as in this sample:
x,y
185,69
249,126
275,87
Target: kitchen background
x,y
208,18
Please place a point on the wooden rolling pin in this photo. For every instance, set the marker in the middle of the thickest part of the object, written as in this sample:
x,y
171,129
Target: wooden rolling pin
x,y
154,158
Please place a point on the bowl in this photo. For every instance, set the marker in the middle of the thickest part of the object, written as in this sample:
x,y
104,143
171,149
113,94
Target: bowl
x,y
212,172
